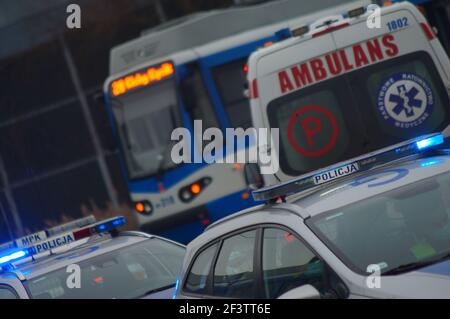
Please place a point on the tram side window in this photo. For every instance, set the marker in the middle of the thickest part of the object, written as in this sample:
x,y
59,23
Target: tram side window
x,y
230,80
196,99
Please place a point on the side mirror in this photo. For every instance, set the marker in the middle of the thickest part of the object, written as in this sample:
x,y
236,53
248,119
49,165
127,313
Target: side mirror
x,y
253,176
302,292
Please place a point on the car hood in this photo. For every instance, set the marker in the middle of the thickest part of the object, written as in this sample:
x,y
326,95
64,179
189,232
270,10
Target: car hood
x,y
428,282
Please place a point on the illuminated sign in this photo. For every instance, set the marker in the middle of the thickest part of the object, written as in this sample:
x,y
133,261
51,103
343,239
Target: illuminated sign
x,y
141,79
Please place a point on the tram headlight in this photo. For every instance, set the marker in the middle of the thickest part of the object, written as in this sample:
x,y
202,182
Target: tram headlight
x,y
189,192
143,207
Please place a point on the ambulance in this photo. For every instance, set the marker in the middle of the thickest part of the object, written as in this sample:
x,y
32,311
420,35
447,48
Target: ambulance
x,y
348,84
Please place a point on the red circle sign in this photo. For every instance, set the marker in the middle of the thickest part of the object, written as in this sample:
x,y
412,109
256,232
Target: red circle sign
x,y
312,130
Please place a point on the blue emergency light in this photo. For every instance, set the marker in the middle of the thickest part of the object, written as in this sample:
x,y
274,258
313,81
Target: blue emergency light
x,y
13,256
430,142
356,165
283,34
110,224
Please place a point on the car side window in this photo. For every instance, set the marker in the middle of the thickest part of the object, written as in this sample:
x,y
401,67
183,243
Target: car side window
x,y
7,293
287,264
198,275
234,275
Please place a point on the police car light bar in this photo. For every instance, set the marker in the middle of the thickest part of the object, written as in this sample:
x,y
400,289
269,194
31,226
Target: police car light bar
x,y
355,165
78,223
44,234
104,226
13,254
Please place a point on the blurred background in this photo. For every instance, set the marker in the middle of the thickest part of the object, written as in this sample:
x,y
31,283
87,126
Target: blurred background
x,y
58,157
51,168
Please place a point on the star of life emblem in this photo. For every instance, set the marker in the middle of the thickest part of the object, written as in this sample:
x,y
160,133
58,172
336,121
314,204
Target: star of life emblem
x,y
405,100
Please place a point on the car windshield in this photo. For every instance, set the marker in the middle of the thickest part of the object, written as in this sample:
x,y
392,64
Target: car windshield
x,y
359,112
400,227
146,119
126,273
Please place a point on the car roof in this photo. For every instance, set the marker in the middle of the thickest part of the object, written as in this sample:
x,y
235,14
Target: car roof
x,y
70,254
342,192
371,183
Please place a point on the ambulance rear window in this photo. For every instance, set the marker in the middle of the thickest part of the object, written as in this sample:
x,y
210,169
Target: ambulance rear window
x,y
401,98
318,126
359,112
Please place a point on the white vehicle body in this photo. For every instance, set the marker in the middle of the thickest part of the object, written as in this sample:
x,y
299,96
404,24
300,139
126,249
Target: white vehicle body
x,y
337,48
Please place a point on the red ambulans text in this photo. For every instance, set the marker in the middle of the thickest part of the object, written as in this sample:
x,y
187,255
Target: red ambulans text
x,y
337,63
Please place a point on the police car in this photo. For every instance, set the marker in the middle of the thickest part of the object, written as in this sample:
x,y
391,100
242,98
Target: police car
x,y
344,85
85,259
376,226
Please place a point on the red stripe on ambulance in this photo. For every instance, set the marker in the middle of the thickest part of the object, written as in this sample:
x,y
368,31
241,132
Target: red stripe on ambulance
x,y
338,62
254,94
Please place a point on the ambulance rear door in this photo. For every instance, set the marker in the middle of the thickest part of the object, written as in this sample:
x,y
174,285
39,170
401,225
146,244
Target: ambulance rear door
x,y
269,108
405,95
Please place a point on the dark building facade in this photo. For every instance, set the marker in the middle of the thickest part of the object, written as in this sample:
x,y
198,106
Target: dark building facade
x,y
51,168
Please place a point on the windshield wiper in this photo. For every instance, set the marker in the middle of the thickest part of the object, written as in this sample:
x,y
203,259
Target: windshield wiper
x,y
123,125
163,159
415,265
157,290
126,134
162,156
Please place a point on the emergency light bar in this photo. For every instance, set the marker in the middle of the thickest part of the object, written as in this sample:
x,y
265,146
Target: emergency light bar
x,y
44,234
21,249
78,223
355,165
354,13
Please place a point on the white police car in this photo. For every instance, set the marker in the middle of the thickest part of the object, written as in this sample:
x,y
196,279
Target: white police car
x,y
377,226
85,259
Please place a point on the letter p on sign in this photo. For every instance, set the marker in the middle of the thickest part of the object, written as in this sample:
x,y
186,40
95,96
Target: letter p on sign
x,y
312,125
